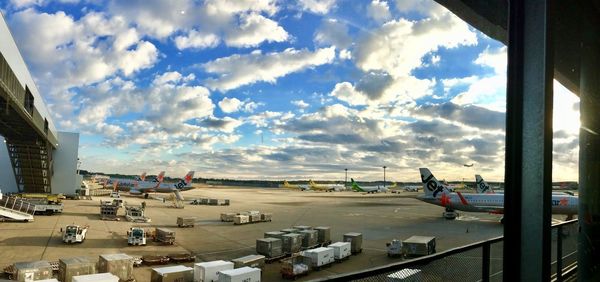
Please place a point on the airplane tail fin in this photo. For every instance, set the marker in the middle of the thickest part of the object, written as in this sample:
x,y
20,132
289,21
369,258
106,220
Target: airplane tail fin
x,y
189,177
482,186
355,186
393,185
161,176
286,184
143,176
115,186
431,186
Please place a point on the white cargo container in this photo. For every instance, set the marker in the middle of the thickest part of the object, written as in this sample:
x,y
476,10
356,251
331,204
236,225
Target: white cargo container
x,y
244,274
178,273
241,219
209,271
320,256
98,277
341,250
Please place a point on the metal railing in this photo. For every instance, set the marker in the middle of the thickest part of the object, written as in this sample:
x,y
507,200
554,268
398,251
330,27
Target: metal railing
x,y
16,204
481,261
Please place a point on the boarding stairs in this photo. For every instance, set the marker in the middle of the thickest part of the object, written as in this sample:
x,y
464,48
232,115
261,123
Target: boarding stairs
x,y
16,209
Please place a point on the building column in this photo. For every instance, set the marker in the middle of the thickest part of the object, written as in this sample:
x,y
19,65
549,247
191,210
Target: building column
x,y
528,170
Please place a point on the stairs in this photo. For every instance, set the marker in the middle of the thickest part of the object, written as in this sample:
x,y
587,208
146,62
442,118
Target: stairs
x,y
16,209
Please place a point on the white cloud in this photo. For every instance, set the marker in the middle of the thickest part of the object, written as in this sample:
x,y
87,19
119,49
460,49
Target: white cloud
x,y
172,77
379,10
300,104
317,6
253,30
345,54
333,32
237,70
198,40
230,105
346,92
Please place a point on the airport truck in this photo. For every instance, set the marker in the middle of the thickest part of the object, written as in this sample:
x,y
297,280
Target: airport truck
x,y
48,209
74,234
136,236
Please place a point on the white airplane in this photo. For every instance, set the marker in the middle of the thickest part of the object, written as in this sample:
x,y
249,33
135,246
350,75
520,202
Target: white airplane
x,y
438,194
368,189
145,187
128,183
484,188
302,187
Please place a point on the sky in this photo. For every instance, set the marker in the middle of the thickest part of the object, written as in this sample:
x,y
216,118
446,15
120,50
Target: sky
x,y
268,89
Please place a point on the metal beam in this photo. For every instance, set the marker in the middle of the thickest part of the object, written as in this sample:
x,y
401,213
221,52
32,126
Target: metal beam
x,y
528,171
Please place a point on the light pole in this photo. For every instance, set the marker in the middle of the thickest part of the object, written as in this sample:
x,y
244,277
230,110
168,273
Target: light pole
x,y
346,179
384,167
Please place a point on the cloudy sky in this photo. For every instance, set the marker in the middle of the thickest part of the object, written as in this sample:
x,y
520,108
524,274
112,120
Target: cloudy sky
x,y
269,89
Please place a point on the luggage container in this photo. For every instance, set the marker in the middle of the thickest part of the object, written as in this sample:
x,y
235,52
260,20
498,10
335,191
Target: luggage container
x,y
209,271
341,250
269,247
291,243
69,267
253,212
324,235
419,246
294,267
164,235
274,234
99,277
302,227
244,274
256,261
121,265
255,218
309,239
394,248
186,221
290,230
266,217
178,273
355,239
33,270
241,219
228,217
320,256
213,202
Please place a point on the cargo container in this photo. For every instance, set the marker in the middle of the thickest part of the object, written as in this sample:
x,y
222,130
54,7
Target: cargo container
x,y
255,218
294,267
290,230
99,277
394,248
164,235
274,234
302,227
418,246
228,217
32,270
209,271
253,212
257,261
266,217
121,265
324,235
241,219
309,239
213,202
291,243
320,256
341,250
269,247
178,273
69,267
186,221
244,274
355,240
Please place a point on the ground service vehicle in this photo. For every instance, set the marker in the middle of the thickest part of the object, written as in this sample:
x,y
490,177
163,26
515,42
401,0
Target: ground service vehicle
x,y
74,234
136,236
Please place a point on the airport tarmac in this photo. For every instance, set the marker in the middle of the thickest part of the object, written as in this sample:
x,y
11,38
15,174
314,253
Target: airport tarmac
x,y
379,217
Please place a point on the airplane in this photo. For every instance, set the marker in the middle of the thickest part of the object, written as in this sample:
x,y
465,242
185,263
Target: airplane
x,y
128,183
302,187
437,193
368,189
145,187
325,187
484,188
468,165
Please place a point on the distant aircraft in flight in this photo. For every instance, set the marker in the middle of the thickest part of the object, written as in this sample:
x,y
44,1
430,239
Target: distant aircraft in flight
x,y
437,193
468,165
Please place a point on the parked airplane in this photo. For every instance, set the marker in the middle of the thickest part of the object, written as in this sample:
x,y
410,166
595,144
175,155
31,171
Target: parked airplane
x,y
325,187
302,187
145,187
368,189
438,194
484,188
129,183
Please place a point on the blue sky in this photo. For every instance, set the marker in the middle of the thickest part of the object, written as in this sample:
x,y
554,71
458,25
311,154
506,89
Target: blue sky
x,y
270,89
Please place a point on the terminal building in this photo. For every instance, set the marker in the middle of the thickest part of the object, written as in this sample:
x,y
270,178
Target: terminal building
x,y
34,156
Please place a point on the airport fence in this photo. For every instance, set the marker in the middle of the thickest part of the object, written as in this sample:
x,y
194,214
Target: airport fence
x,y
481,261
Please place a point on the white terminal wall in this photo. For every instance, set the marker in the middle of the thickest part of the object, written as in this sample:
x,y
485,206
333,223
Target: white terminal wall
x,y
65,179
7,176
